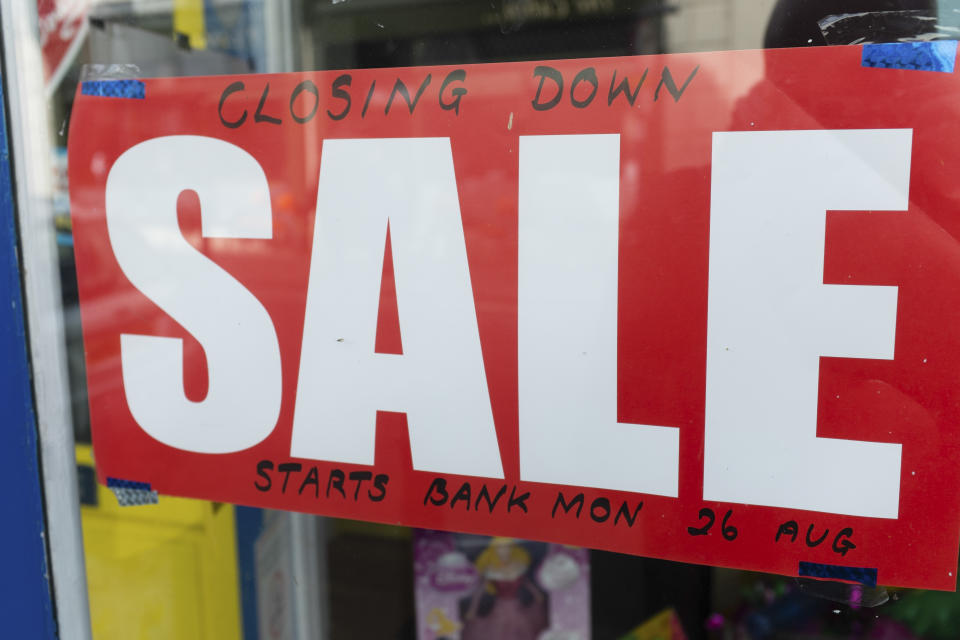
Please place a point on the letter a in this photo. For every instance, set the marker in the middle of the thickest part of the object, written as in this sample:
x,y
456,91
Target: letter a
x,y
439,381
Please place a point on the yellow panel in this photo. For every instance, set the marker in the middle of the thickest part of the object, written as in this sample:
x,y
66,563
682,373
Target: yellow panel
x,y
188,20
160,572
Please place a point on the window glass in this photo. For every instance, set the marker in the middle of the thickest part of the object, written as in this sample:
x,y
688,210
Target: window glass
x,y
187,568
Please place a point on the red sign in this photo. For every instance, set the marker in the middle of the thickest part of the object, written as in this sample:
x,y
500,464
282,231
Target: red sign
x,y
699,307
62,25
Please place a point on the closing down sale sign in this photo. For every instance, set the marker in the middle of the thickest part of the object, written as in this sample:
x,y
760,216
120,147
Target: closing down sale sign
x,y
700,307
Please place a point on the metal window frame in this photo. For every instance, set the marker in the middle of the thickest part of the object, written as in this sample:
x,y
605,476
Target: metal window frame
x,y
30,136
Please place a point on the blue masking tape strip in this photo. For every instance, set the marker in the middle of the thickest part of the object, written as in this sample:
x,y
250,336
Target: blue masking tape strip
x,y
117,483
130,493
920,56
114,89
862,575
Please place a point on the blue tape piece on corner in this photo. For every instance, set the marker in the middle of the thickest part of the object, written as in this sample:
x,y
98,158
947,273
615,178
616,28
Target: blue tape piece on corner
x,y
862,575
130,493
940,55
114,89
117,483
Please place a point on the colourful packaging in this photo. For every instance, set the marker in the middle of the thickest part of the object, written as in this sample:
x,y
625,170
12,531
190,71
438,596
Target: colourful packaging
x,y
663,626
471,587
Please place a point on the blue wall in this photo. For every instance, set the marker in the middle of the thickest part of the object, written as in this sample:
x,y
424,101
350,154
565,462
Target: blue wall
x,y
25,599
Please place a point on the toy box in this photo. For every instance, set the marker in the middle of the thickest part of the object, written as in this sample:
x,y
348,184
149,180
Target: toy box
x,y
471,587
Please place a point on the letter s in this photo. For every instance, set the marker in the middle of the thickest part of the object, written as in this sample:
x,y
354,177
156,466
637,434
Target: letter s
x,y
236,332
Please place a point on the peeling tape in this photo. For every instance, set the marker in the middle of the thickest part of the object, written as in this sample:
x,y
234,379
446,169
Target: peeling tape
x,y
868,27
862,575
113,71
114,89
130,493
939,55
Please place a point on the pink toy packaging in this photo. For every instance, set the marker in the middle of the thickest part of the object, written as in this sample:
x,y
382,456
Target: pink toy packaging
x,y
471,587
